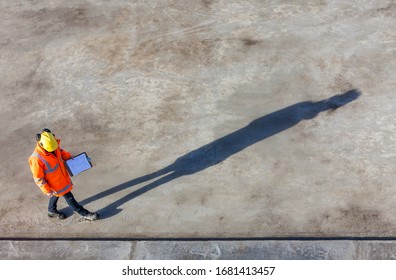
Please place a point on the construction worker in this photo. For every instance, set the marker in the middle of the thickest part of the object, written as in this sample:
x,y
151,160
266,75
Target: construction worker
x,y
50,175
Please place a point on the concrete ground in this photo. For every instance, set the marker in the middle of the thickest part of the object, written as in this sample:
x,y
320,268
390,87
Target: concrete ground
x,y
203,119
198,250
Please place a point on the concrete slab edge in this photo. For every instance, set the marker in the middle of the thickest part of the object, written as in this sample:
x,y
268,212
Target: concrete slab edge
x,y
198,250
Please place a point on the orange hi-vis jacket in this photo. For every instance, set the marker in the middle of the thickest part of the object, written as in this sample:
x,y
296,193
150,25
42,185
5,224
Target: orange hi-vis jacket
x,y
49,171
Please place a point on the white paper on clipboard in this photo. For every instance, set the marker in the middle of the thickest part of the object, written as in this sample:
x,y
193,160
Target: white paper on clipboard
x,y
78,164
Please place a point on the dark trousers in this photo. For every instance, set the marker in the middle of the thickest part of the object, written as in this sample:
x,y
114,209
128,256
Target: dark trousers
x,y
53,201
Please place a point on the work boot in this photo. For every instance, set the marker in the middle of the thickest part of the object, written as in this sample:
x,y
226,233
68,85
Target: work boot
x,y
91,216
57,214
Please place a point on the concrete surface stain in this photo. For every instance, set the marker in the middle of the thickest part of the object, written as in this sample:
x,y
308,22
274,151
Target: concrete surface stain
x,y
211,251
207,3
55,19
359,218
388,10
250,42
310,252
113,50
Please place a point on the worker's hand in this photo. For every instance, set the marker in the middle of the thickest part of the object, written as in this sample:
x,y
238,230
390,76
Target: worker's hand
x,y
49,194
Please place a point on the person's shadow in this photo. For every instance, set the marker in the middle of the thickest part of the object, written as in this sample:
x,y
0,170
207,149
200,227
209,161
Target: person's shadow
x,y
224,147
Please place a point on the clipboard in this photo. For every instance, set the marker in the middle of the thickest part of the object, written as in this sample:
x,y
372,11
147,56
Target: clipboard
x,y
78,164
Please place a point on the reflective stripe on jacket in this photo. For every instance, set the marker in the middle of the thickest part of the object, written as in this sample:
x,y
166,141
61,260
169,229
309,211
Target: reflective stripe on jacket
x,y
49,171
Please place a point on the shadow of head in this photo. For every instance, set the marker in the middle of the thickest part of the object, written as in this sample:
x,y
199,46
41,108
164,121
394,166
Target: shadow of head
x,y
340,100
332,103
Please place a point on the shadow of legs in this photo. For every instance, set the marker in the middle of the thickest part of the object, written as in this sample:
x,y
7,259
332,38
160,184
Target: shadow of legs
x,y
126,185
112,209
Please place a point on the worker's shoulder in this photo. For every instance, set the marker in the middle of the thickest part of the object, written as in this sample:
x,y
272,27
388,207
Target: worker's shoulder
x,y
36,154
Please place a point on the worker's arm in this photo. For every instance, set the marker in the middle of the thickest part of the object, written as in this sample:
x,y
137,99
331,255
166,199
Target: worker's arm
x,y
37,168
65,155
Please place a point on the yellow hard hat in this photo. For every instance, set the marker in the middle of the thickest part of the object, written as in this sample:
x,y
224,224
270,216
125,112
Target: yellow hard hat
x,y
47,141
